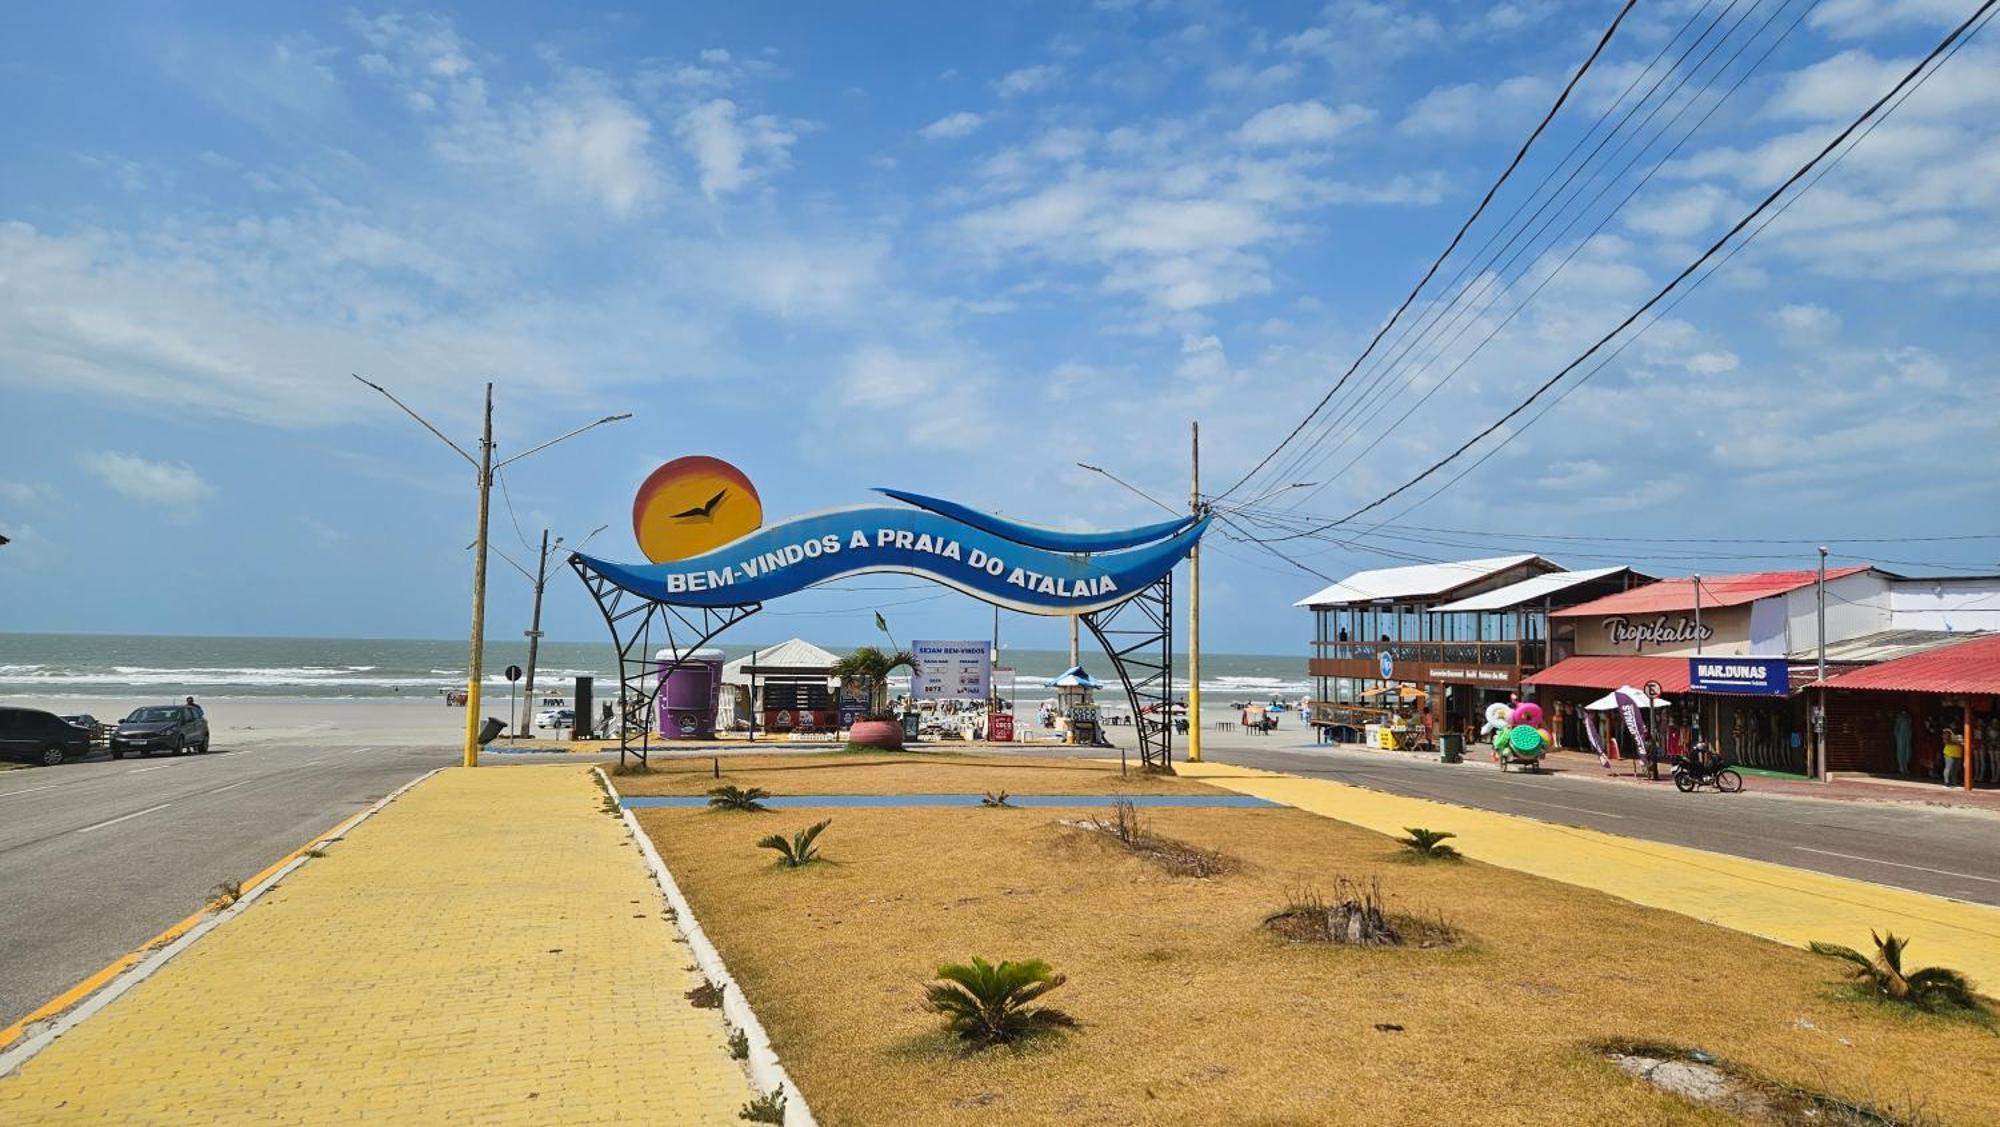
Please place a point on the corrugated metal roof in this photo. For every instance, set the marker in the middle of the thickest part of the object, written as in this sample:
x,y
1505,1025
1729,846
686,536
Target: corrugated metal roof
x,y
1530,590
791,654
1411,582
1970,666
1716,591
1613,672
1884,645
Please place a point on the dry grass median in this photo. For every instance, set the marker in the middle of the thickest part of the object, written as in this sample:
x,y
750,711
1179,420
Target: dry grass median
x,y
1192,1011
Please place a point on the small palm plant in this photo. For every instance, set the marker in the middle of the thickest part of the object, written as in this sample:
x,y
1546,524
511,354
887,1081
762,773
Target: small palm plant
x,y
1927,988
738,798
990,1004
798,849
995,800
1427,843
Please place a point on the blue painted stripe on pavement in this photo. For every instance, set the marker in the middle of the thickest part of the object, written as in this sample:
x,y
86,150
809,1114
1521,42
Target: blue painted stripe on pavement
x,y
787,801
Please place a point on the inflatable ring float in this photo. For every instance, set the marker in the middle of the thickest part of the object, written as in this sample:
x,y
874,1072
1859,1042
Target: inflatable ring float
x,y
1529,714
1525,741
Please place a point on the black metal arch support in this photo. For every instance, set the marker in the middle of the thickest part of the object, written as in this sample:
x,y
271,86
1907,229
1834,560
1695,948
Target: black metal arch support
x,y
1138,636
631,618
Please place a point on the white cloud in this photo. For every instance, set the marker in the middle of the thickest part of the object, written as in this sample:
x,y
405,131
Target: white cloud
x,y
1807,320
594,145
1365,32
951,126
24,492
1851,18
1303,123
165,483
1027,80
1678,214
731,152
1472,108
937,400
1713,363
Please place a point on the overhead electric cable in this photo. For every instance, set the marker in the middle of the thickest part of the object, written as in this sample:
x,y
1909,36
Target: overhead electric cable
x,y
1377,393
1478,264
1733,251
1713,249
1561,98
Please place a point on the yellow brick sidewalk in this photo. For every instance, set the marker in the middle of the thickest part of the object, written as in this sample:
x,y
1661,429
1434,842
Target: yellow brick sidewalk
x,y
1789,905
488,948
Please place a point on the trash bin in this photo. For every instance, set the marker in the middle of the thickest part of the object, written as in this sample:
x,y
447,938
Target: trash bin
x,y
493,727
1451,747
911,723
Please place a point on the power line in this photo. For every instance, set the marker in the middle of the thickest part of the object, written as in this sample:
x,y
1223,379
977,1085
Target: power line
x,y
1478,263
1561,98
1377,393
1674,284
1712,271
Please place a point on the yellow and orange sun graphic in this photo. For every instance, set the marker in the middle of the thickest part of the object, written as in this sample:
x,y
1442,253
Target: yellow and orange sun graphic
x,y
692,505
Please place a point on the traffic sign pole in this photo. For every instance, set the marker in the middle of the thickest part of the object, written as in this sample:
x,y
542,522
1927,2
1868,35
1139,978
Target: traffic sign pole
x,y
513,710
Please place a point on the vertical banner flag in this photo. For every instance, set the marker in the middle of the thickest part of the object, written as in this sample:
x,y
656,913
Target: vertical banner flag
x,y
1628,707
1596,740
951,670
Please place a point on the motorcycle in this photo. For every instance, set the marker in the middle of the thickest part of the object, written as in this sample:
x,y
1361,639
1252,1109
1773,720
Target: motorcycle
x,y
1701,767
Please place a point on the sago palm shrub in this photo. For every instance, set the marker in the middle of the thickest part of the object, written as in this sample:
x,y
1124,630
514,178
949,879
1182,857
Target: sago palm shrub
x,y
798,849
1883,975
738,798
1427,843
993,1003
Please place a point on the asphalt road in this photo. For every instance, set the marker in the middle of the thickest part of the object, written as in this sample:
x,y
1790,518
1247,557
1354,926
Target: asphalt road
x,y
98,857
1945,852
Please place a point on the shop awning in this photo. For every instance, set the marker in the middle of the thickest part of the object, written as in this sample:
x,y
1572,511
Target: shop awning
x,y
1971,666
1609,673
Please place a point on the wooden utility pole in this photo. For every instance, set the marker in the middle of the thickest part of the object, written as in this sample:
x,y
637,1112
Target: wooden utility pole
x,y
1194,609
475,666
535,625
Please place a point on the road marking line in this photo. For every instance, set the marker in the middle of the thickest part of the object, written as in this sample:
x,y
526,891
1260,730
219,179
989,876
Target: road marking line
x,y
307,763
358,750
1560,806
154,767
232,786
30,790
124,818
1896,864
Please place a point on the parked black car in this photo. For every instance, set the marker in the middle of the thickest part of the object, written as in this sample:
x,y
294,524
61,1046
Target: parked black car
x,y
39,737
173,728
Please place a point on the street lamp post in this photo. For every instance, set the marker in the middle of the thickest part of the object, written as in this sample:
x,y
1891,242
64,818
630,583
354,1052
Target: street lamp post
x,y
475,664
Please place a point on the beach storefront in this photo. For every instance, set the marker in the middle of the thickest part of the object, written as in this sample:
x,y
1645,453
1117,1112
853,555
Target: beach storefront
x,y
1898,717
1378,632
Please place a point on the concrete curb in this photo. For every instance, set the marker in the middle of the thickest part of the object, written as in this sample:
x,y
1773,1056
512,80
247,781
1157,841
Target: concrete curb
x,y
51,1030
766,1072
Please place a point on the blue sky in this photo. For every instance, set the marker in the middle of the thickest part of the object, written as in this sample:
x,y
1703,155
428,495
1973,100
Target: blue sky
x,y
952,248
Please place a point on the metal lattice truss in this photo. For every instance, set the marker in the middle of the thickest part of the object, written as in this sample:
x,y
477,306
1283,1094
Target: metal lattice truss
x,y
632,619
1138,635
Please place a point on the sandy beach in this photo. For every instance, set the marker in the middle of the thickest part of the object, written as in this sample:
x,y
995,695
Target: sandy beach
x,y
241,720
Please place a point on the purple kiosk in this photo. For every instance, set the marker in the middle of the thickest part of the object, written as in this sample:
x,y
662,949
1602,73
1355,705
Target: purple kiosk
x,y
689,694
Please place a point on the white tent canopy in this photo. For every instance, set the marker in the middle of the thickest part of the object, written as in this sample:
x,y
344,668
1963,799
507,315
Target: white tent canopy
x,y
1609,701
792,659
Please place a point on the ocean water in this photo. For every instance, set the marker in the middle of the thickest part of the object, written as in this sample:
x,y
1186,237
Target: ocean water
x,y
77,665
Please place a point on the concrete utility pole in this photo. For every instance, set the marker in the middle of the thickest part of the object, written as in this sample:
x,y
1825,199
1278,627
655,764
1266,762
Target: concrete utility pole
x,y
1818,767
1194,609
475,663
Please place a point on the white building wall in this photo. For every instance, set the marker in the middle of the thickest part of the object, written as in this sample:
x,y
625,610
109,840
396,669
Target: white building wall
x,y
1968,603
1855,605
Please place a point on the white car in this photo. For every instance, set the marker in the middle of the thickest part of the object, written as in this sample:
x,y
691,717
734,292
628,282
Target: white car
x,y
555,718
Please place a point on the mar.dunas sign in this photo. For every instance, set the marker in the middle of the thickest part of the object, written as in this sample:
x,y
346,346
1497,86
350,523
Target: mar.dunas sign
x,y
1751,676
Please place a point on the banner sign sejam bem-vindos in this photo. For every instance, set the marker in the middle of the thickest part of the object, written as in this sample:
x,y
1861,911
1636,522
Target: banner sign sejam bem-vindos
x,y
1030,569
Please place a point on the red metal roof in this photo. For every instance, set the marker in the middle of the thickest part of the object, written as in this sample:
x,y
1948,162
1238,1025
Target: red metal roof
x,y
1971,666
1716,591
1609,673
